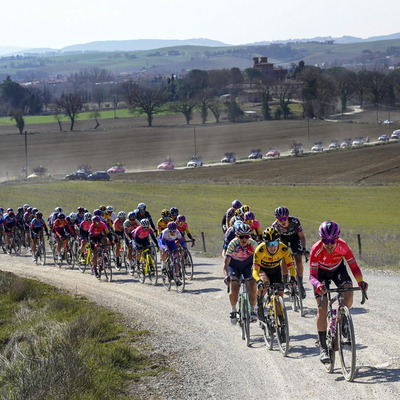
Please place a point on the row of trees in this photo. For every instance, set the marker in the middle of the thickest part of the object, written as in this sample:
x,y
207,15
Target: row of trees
x,y
320,91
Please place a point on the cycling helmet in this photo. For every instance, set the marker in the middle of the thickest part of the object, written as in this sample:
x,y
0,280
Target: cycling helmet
x,y
270,235
165,213
61,216
181,218
249,216
1,209
95,219
34,211
97,212
9,210
145,223
20,210
172,226
29,209
329,230
234,220
122,214
242,229
174,211
110,209
57,209
236,204
39,215
25,206
88,216
80,209
131,215
245,208
141,206
281,212
73,217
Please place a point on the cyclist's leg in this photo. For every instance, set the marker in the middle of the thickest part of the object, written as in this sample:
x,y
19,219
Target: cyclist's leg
x,y
342,278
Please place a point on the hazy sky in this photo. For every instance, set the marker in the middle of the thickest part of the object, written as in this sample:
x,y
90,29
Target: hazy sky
x,y
55,24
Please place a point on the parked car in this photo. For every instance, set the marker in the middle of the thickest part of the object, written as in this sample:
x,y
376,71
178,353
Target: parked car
x,y
297,149
273,153
35,175
334,145
229,158
383,138
317,147
99,176
395,134
167,164
388,121
116,169
346,143
77,176
358,142
255,155
195,162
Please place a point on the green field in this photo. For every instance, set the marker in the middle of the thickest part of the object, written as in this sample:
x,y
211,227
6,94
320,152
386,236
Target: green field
x,y
359,210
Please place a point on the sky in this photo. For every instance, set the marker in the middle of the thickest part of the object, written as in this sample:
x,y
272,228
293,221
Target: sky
x,y
56,24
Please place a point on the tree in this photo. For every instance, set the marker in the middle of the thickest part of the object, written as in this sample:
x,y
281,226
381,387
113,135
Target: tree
x,y
204,99
58,115
235,113
252,75
344,82
18,117
216,108
96,115
71,104
185,106
144,99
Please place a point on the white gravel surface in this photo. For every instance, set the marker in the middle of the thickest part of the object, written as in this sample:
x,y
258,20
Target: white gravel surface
x,y
206,355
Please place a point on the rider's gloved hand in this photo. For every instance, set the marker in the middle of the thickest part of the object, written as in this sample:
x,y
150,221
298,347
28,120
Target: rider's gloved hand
x,y
293,281
320,289
363,285
260,284
226,279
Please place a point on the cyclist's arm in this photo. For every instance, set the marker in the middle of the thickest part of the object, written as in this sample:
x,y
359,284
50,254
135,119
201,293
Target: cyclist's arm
x,y
289,262
302,240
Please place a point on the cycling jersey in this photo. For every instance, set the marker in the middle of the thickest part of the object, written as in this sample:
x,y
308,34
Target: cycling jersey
x,y
38,224
162,224
256,228
167,239
140,237
290,231
239,253
9,223
322,259
139,215
230,212
184,229
229,235
97,230
264,260
59,227
118,225
84,229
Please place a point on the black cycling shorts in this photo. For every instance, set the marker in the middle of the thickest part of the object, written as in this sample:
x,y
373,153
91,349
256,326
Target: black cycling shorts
x,y
273,274
339,276
294,243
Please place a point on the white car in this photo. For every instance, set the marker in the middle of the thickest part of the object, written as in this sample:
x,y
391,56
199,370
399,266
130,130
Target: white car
x,y
229,158
345,144
334,146
383,138
317,147
195,162
358,142
395,134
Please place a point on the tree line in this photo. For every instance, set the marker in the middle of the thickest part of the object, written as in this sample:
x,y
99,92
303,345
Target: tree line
x,y
321,92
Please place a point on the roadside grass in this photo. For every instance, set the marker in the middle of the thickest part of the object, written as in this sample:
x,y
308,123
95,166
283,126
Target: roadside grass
x,y
367,211
54,346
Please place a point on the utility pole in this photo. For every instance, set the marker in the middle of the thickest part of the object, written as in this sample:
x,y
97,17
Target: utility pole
x,y
194,133
26,155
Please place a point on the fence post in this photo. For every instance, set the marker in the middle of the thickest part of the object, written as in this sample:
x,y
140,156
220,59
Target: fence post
x,y
359,244
204,242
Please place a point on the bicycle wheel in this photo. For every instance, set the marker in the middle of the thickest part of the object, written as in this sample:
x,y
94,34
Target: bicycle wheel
x,y
141,268
119,265
347,344
269,327
153,252
152,270
166,278
179,276
188,264
246,319
329,367
17,245
3,243
41,254
107,269
282,326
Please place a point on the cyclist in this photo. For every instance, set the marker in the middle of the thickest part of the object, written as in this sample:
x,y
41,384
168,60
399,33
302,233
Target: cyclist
x,y
142,213
20,220
97,235
292,235
239,261
10,225
230,234
60,230
130,225
27,222
174,213
140,236
183,227
230,212
166,242
36,229
84,231
256,231
72,226
267,266
118,227
110,212
163,221
326,265
80,215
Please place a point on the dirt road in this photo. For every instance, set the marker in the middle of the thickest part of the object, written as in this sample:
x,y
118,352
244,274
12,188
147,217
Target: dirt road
x,y
206,355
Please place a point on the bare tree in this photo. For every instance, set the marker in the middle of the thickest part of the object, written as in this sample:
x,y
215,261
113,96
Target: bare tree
x,y
185,106
71,104
204,99
216,107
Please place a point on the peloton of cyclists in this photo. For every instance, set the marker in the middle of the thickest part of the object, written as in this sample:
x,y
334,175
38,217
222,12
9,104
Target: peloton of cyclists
x,y
327,264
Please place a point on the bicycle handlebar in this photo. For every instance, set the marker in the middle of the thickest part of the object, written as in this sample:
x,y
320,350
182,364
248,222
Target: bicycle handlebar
x,y
364,295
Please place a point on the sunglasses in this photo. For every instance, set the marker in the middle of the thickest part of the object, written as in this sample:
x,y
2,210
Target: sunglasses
x,y
329,241
283,219
244,236
274,243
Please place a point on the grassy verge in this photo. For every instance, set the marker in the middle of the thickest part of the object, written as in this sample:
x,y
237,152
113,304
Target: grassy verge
x,y
54,346
367,211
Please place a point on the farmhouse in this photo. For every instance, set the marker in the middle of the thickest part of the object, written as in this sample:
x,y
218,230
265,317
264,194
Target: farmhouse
x,y
268,70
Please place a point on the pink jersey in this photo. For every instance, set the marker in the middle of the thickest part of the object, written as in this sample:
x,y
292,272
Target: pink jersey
x,y
141,233
320,258
85,225
97,230
118,225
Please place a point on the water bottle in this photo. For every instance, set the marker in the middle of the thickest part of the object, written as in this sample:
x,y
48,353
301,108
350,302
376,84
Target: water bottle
x,y
333,321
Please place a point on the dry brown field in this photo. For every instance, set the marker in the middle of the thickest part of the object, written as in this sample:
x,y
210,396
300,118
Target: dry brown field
x,y
142,148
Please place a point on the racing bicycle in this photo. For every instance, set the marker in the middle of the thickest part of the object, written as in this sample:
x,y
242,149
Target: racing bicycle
x,y
40,253
187,260
147,266
103,261
340,334
174,272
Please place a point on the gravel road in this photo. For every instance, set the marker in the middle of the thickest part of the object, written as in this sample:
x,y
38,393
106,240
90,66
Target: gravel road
x,y
206,355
